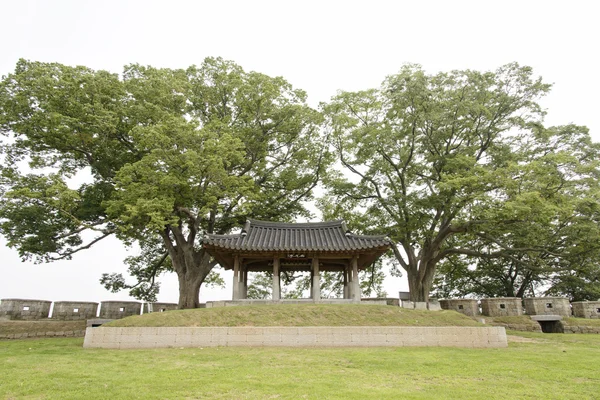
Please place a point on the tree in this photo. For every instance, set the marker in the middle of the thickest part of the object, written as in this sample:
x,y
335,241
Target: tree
x,y
432,161
171,155
556,184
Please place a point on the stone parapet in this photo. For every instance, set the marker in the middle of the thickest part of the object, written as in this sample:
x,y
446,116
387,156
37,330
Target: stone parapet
x,y
464,306
39,335
502,307
547,306
161,307
586,309
24,309
323,336
390,301
74,310
119,309
247,302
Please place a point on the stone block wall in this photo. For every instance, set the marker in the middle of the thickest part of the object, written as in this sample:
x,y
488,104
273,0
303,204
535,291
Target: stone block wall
x,y
119,309
24,309
547,306
501,307
160,307
586,309
309,336
74,310
464,306
390,301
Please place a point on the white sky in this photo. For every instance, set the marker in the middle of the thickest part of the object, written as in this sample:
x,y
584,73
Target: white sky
x,y
319,46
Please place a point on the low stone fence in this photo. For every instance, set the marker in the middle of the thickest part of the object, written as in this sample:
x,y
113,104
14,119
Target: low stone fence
x,y
74,310
501,307
547,306
325,336
464,306
581,329
39,335
247,302
24,309
586,309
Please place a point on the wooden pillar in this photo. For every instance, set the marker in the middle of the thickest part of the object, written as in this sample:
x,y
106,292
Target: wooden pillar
x,y
276,284
350,281
245,284
345,278
356,285
316,281
236,278
311,291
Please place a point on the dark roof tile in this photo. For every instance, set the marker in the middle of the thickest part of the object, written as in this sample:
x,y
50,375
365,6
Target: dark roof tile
x,y
277,236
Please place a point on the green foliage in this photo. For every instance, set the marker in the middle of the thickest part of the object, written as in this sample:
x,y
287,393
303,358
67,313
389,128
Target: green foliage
x,y
456,167
172,154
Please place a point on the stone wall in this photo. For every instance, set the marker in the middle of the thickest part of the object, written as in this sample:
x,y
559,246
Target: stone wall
x,y
325,336
547,306
586,309
38,335
464,306
160,307
390,301
24,309
119,309
580,328
502,307
74,310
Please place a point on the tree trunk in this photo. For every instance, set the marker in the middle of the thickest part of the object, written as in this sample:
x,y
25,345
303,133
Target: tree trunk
x,y
189,291
420,281
192,268
419,289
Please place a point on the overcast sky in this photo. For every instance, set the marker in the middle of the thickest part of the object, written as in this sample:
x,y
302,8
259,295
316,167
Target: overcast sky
x,y
319,46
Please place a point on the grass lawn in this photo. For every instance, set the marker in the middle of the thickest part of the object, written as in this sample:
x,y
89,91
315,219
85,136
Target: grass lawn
x,y
299,315
552,366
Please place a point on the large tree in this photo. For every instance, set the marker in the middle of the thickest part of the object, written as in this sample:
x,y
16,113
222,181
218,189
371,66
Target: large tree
x,y
433,161
556,194
169,154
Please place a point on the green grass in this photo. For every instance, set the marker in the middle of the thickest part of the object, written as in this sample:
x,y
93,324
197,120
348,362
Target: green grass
x,y
299,315
553,366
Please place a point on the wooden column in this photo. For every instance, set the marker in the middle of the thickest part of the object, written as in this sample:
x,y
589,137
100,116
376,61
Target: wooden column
x,y
245,284
345,278
316,281
356,285
236,278
276,285
311,281
350,281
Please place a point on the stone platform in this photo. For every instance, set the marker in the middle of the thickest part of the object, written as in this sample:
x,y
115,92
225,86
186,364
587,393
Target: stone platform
x,y
315,336
253,302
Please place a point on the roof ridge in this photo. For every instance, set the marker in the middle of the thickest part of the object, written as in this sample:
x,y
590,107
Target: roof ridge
x,y
374,237
226,235
273,224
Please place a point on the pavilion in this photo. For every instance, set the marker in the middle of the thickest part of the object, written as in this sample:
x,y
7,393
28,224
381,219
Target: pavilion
x,y
275,247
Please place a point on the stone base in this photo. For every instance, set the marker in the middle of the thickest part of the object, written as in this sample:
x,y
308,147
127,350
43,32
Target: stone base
x,y
539,318
93,323
312,336
254,302
420,305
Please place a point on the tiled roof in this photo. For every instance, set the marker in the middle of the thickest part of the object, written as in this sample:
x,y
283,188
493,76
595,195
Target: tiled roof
x,y
313,236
